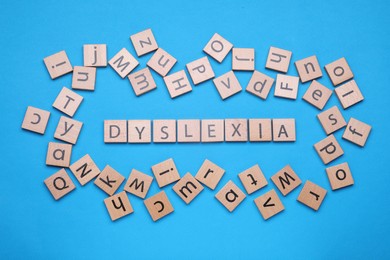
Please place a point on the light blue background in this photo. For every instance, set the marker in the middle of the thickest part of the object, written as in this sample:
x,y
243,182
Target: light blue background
x,y
351,223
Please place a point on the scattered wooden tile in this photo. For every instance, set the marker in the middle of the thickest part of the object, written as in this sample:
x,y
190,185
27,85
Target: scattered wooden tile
x,y
188,131
115,131
84,78
85,169
339,71
109,180
284,130
68,130
187,188
138,183
317,95
158,206
328,149
144,42
164,131
286,180
210,174
269,204
339,176
236,130
177,84
218,47
58,154
58,64
67,101
59,184
308,69
212,130
230,196
312,195
260,130
118,206
165,172
278,59
260,85
253,179
357,132
331,120
142,81
200,70
161,62
139,131
227,85
35,120
95,55
123,63
243,59
286,86
349,94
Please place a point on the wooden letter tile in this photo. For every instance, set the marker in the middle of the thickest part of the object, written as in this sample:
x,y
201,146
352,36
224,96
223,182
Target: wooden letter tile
x,y
230,196
109,180
58,154
95,55
118,206
286,180
84,78
269,204
35,120
123,63
158,205
218,47
236,130
187,188
138,183
85,169
312,195
200,70
227,85
165,172
278,59
284,130
142,81
161,62
212,131
67,101
339,176
144,42
177,84
210,174
357,132
58,64
331,120
164,131
308,69
260,85
188,131
328,149
349,94
253,179
68,130
317,95
115,131
260,130
286,86
339,71
243,59
59,184
139,131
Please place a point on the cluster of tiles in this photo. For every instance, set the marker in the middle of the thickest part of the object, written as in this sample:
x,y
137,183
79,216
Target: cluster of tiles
x,y
188,187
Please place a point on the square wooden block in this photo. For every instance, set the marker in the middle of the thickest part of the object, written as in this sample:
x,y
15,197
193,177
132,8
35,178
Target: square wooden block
x,y
59,184
253,179
317,95
284,130
312,195
286,180
269,204
349,94
138,183
236,130
165,172
85,169
260,130
84,78
142,81
118,206
357,132
260,85
308,69
328,149
227,85
35,120
164,131
123,63
68,130
177,84
161,62
331,120
115,131
212,130
139,131
339,176
68,101
187,188
278,59
144,42
95,55
339,71
188,131
158,206
210,174
218,47
243,59
230,196
286,86
58,154
109,180
200,70
58,64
